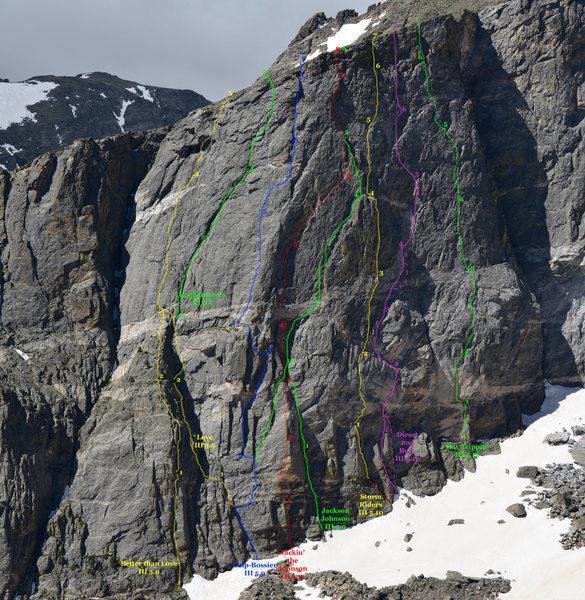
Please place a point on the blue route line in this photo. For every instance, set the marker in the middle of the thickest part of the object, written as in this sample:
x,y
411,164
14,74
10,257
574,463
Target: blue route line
x,y
251,503
239,321
263,211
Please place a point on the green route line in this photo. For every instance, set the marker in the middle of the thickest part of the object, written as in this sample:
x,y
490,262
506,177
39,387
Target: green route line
x,y
316,299
249,169
162,312
470,270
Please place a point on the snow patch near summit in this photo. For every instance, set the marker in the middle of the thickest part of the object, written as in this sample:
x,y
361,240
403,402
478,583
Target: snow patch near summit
x,y
142,92
347,34
15,98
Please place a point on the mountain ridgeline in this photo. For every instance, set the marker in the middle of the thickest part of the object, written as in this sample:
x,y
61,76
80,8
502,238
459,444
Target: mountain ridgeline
x,y
226,331
92,105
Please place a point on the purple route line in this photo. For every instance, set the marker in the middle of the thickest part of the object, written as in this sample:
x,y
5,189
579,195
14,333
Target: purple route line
x,y
403,268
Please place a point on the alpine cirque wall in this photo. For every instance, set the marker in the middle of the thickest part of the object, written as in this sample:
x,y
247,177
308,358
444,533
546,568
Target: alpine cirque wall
x,y
237,329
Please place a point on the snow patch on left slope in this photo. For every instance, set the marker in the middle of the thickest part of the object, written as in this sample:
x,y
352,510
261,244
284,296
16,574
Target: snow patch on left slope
x,y
141,92
15,98
12,150
20,352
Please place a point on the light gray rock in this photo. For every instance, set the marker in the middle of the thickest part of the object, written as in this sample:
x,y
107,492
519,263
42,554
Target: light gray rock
x,y
528,472
578,454
555,439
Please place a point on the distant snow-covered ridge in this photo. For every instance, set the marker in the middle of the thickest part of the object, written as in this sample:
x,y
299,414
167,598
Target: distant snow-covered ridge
x,y
45,113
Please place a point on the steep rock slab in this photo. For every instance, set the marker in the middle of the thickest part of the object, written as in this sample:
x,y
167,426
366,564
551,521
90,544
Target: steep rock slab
x,y
61,237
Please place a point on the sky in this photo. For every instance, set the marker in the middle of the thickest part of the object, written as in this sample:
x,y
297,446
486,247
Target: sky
x,y
210,46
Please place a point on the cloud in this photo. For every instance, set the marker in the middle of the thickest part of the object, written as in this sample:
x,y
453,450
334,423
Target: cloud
x,y
210,47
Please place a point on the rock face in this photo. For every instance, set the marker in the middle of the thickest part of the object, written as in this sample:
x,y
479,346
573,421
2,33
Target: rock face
x,y
147,437
90,105
62,232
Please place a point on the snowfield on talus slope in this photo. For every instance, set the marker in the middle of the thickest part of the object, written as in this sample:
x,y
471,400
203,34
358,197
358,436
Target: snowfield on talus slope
x,y
15,98
527,551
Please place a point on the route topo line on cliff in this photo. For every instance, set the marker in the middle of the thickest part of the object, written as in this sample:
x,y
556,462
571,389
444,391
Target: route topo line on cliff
x,y
282,324
177,377
239,320
249,169
369,194
470,270
387,426
317,300
159,375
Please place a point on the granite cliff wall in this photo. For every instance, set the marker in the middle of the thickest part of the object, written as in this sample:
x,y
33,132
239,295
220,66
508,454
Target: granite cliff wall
x,y
159,415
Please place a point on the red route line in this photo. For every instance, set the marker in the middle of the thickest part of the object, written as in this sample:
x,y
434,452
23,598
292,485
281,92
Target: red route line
x,y
341,76
294,244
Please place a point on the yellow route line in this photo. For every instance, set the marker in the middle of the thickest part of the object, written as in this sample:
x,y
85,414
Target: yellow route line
x,y
195,174
356,424
176,378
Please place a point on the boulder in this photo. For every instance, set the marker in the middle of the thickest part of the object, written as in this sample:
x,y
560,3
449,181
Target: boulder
x,y
557,438
517,510
578,454
528,472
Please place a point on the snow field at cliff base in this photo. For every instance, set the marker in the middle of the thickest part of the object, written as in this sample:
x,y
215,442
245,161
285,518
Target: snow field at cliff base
x,y
527,551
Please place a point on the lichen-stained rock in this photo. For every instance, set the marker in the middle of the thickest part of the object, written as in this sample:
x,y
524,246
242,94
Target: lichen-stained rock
x,y
199,447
